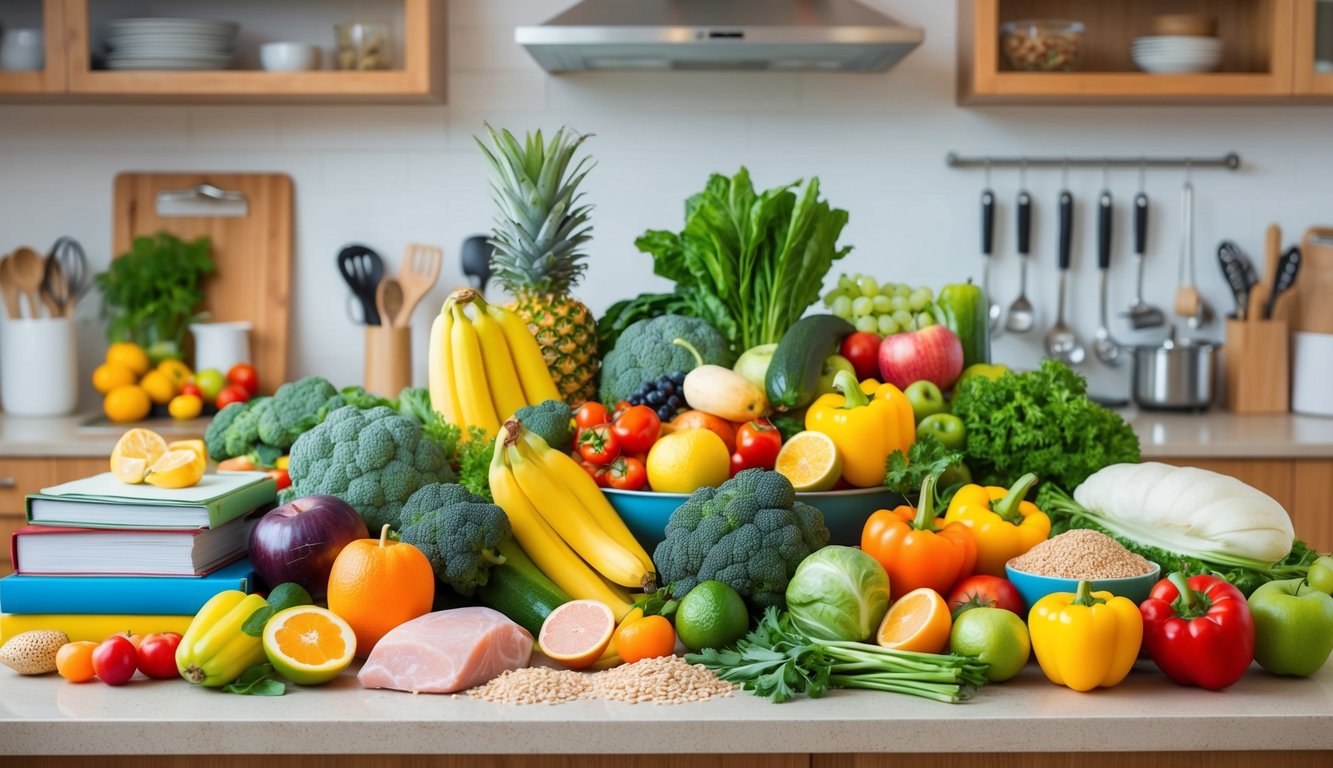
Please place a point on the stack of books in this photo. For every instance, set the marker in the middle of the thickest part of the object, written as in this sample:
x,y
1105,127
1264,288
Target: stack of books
x,y
99,556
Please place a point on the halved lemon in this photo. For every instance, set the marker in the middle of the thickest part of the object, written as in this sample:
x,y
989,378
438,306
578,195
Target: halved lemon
x,y
919,621
135,452
176,469
197,446
309,645
810,461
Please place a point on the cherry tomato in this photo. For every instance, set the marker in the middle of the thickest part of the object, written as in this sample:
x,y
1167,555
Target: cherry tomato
x,y
627,474
986,592
244,376
596,471
598,445
862,350
281,477
190,388
757,444
591,414
157,655
74,661
134,639
621,407
115,660
637,428
232,394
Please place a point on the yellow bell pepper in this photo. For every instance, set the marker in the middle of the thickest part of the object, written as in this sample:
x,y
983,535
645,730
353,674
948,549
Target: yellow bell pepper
x,y
215,650
1085,640
1005,526
867,422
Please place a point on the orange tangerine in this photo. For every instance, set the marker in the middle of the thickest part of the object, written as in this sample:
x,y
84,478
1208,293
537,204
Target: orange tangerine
x,y
919,621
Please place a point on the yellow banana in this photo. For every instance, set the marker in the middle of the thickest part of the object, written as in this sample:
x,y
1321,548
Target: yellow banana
x,y
573,523
565,471
501,376
440,367
474,399
532,371
551,554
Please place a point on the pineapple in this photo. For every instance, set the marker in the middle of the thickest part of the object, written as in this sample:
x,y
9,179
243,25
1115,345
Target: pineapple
x,y
538,233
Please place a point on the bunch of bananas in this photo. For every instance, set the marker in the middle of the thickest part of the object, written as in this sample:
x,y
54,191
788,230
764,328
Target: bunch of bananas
x,y
483,369
562,520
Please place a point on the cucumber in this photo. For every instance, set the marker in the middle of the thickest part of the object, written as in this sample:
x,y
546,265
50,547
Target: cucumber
x,y
793,373
519,590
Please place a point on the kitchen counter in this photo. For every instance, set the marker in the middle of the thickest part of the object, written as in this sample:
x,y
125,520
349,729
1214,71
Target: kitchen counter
x,y
85,435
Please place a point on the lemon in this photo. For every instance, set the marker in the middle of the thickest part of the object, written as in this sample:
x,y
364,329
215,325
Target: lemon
x,y
135,451
178,372
200,452
810,461
309,645
684,461
108,376
128,402
129,355
185,407
159,386
176,469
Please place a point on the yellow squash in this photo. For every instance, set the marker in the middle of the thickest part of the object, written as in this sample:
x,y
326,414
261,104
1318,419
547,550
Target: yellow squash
x,y
214,651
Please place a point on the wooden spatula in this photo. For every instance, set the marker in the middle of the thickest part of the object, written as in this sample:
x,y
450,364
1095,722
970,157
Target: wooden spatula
x,y
420,270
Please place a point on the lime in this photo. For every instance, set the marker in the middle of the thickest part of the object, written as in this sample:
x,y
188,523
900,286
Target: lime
x,y
996,637
308,645
712,615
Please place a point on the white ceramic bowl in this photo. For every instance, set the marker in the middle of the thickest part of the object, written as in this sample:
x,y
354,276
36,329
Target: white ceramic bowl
x,y
1176,54
288,57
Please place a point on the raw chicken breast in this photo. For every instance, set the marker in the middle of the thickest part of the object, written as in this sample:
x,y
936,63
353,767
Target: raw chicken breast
x,y
447,651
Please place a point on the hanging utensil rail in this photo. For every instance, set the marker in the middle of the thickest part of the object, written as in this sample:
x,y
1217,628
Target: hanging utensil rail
x,y
1229,161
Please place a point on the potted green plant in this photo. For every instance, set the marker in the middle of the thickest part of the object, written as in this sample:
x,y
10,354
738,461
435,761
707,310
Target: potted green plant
x,y
151,293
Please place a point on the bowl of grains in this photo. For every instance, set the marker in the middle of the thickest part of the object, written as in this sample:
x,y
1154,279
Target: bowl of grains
x,y
1061,562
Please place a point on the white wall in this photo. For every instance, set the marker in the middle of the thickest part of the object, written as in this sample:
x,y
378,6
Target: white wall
x,y
388,175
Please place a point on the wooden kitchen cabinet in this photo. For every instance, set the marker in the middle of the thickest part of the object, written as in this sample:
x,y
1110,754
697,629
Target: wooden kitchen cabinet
x,y
20,477
1309,81
51,80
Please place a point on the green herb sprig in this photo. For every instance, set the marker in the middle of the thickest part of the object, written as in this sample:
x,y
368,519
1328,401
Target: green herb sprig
x,y
151,293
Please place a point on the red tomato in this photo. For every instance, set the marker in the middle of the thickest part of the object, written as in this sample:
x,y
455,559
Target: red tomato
x,y
637,428
596,472
627,474
133,638
757,444
986,592
244,376
862,350
157,655
281,477
232,394
598,445
190,388
115,660
591,414
620,408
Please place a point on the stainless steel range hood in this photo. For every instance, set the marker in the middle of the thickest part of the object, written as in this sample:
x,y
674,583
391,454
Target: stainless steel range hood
x,y
818,35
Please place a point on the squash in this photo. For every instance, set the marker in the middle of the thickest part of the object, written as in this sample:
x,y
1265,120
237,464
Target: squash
x,y
721,391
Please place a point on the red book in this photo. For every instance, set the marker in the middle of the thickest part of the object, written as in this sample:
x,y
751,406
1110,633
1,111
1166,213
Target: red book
x,y
64,551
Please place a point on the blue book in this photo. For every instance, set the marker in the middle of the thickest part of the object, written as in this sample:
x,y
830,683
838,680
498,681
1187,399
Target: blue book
x,y
147,595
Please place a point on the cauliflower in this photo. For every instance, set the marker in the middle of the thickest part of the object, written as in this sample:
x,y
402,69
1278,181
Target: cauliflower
x,y
644,352
458,531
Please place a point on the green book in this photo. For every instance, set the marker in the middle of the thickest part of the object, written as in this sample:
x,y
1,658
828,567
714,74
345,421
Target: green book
x,y
102,501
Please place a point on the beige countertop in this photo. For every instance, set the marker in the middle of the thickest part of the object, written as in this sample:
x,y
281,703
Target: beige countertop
x,y
85,435
46,715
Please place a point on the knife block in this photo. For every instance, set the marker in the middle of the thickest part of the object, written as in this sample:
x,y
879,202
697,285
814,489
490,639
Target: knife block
x,y
1257,366
388,359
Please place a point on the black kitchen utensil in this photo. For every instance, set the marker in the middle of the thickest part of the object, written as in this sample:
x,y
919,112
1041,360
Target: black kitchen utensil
x,y
65,277
987,249
1233,269
362,269
476,256
1287,268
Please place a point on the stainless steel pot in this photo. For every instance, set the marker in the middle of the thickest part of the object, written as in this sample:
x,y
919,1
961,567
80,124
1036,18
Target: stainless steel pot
x,y
1175,375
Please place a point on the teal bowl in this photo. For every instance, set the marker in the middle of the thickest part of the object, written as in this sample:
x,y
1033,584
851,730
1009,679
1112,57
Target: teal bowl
x,y
1033,587
845,512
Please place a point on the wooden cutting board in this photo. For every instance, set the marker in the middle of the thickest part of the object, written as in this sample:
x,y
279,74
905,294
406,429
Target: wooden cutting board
x,y
253,253
1313,309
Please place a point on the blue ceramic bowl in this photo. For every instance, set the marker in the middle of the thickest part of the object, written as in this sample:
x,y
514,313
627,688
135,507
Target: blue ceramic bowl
x,y
1033,587
845,512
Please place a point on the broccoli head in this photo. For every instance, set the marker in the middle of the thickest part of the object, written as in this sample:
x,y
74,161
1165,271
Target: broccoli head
x,y
293,410
215,437
374,460
644,352
749,532
550,420
459,533
242,435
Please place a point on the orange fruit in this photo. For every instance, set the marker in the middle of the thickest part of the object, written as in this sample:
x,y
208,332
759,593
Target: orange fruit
x,y
74,661
130,355
919,622
576,633
647,638
108,376
176,469
309,645
178,372
715,424
377,584
159,386
135,452
185,407
128,402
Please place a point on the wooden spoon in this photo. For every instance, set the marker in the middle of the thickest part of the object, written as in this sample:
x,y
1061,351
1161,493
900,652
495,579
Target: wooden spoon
x,y
9,288
26,268
389,301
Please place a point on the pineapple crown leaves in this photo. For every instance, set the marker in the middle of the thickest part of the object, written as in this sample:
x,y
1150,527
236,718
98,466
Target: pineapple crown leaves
x,y
541,223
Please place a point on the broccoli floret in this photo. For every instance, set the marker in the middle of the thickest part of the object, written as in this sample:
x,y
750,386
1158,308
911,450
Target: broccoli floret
x,y
644,352
215,437
374,460
357,396
243,434
458,532
550,420
293,410
749,532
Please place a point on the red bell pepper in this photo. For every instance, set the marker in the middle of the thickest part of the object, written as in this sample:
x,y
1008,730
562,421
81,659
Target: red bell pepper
x,y
1198,632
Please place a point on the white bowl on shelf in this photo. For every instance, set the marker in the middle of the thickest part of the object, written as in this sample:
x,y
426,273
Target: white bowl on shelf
x,y
1174,54
289,57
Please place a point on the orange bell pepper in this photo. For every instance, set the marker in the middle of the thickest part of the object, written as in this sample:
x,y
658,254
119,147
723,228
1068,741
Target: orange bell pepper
x,y
918,549
1005,526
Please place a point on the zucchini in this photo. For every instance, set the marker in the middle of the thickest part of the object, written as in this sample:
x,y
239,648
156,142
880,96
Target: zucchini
x,y
519,590
793,374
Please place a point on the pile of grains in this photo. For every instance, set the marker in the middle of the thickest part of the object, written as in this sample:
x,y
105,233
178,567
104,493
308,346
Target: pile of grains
x,y
1081,554
666,680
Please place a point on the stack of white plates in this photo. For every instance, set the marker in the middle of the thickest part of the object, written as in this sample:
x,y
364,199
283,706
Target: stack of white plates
x,y
1177,53
174,44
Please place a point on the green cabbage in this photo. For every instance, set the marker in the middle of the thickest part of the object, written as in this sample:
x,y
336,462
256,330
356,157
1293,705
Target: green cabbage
x,y
838,593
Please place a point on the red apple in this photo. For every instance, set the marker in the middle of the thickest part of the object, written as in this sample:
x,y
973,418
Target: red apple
x,y
299,540
931,354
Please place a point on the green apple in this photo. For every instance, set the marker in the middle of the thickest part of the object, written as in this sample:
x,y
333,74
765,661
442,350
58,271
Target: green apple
x,y
832,365
956,474
996,637
210,383
945,427
1293,627
753,364
990,371
1321,574
926,399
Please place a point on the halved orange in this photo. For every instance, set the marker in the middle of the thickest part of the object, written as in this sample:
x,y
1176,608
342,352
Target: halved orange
x,y
309,645
919,621
576,633
135,452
